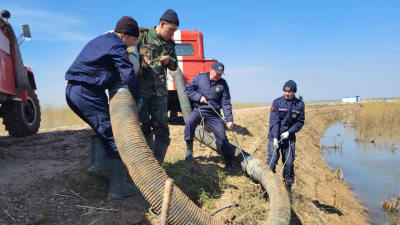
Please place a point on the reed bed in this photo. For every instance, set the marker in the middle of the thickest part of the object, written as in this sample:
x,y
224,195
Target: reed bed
x,y
377,119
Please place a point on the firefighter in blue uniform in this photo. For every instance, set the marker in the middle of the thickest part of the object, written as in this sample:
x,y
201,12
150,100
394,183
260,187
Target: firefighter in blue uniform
x,y
286,118
209,91
102,64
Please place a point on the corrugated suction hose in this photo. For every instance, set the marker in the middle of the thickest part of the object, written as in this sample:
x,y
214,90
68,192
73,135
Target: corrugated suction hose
x,y
143,167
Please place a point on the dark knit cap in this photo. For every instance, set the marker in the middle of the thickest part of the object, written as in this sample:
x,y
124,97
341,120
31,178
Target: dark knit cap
x,y
127,25
290,86
170,16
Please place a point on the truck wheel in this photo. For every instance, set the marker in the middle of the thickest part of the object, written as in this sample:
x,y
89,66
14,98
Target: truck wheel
x,y
22,118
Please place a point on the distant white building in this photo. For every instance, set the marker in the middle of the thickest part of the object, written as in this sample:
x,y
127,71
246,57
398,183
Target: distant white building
x,y
351,99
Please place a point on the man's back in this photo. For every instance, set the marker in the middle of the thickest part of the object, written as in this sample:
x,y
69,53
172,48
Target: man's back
x,y
95,64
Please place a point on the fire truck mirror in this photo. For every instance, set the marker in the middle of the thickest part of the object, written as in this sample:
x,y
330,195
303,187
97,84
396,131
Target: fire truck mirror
x,y
27,32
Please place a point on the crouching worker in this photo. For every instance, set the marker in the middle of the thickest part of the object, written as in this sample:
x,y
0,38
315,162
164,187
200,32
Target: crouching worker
x,y
210,92
102,64
286,118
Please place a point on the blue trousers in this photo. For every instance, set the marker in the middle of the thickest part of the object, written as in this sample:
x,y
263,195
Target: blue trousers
x,y
216,124
91,105
288,170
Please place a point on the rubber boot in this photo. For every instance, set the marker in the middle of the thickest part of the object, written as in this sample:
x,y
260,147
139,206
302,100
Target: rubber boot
x,y
189,152
150,140
228,164
119,188
160,148
98,167
289,191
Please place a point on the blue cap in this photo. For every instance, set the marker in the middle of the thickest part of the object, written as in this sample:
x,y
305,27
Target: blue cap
x,y
218,67
170,16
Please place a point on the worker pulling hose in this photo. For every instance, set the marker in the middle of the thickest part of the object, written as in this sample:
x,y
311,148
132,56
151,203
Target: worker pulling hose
x,y
143,167
280,205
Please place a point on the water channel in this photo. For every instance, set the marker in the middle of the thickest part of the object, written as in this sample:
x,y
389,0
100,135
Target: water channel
x,y
371,169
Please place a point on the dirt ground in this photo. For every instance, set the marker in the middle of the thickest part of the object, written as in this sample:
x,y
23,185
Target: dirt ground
x,y
42,175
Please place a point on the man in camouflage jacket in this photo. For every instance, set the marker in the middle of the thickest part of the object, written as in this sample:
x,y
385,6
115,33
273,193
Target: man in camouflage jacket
x,y
157,52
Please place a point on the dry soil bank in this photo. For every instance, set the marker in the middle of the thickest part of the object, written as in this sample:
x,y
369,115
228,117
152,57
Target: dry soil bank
x,y
39,173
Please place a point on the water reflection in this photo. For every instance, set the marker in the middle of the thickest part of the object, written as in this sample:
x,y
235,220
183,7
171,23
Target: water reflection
x,y
372,169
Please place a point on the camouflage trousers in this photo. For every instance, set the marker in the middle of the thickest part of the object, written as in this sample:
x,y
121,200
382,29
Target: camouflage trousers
x,y
154,115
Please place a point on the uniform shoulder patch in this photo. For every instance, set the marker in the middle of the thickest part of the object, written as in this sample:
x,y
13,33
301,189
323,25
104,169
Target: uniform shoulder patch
x,y
272,108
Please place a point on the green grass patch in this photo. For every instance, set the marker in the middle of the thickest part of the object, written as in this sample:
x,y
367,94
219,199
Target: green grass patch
x,y
94,191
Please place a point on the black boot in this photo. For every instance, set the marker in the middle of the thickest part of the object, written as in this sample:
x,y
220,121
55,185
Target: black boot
x,y
289,191
160,148
98,167
189,153
119,188
228,164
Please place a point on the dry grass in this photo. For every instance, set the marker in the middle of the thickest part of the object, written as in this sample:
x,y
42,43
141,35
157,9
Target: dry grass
x,y
391,205
53,117
393,220
247,105
377,119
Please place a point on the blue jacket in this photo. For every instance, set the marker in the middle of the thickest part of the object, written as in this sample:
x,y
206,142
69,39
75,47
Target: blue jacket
x,y
103,62
286,116
216,93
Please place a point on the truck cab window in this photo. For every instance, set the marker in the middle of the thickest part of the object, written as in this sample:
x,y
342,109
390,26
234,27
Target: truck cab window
x,y
184,49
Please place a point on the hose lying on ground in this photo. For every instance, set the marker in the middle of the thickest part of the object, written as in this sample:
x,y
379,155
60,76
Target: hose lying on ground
x,y
143,167
279,200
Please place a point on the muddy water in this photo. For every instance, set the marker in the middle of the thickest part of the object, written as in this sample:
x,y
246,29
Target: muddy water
x,y
373,170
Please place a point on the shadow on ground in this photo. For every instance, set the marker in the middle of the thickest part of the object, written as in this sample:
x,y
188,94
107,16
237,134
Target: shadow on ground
x,y
327,208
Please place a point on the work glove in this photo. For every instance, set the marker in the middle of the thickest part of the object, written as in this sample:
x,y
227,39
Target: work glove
x,y
285,135
276,144
139,104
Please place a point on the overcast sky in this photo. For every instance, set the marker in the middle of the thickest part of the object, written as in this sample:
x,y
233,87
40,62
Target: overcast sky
x,y
330,48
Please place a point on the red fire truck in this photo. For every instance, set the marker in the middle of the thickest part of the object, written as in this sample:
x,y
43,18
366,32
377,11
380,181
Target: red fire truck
x,y
19,108
190,52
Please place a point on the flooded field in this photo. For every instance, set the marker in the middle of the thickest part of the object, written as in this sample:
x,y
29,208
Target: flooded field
x,y
372,167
